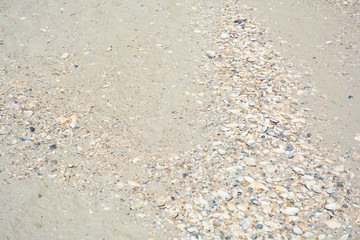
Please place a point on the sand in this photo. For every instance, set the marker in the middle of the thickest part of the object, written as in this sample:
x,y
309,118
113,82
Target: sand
x,y
130,63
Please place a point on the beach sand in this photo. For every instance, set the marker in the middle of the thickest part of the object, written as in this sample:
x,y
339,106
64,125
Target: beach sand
x,y
164,119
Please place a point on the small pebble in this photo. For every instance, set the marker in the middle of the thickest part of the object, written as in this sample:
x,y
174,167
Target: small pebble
x,y
240,21
221,151
224,195
250,162
291,211
298,231
321,236
246,224
332,223
255,201
224,35
64,56
333,206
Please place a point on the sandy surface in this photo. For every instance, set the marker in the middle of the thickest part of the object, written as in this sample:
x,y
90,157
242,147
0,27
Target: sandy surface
x,y
130,61
120,85
322,43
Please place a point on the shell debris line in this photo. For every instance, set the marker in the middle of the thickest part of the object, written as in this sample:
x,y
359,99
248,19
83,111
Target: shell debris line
x,y
260,175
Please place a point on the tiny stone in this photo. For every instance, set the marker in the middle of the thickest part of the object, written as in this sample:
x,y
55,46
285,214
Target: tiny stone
x,y
173,214
332,223
52,147
221,151
291,211
255,201
298,231
32,129
249,179
250,162
64,56
191,229
299,170
211,54
53,162
357,137
225,35
272,194
161,202
181,226
240,21
345,237
246,224
259,226
289,148
224,129
134,184
332,206
308,234
339,168
140,215
224,195
321,236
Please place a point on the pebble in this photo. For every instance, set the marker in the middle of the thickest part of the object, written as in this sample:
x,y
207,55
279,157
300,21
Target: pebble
x,y
173,214
357,137
134,183
255,201
308,235
240,21
225,195
221,151
250,162
345,237
246,224
291,211
249,179
192,229
299,170
339,168
298,231
181,226
224,35
321,236
160,202
64,56
333,206
333,223
52,147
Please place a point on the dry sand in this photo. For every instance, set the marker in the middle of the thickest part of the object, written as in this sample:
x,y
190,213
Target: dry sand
x,y
321,42
133,65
